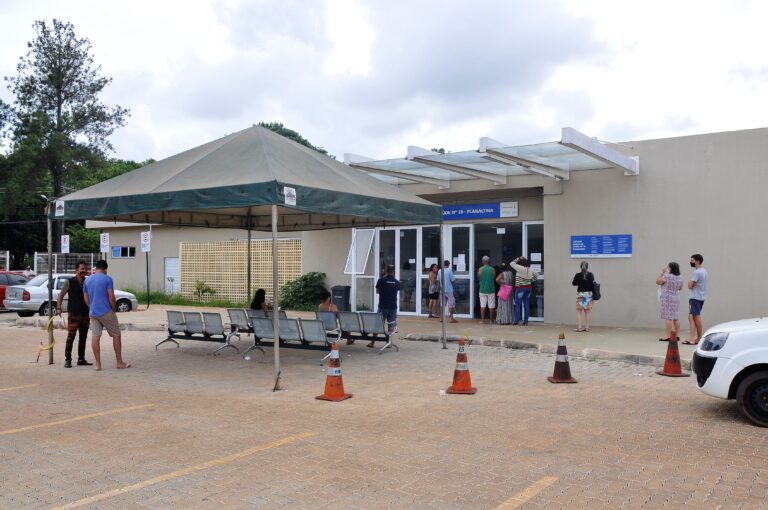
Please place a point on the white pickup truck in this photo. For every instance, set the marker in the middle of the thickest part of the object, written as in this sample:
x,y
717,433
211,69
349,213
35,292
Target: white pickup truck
x,y
731,362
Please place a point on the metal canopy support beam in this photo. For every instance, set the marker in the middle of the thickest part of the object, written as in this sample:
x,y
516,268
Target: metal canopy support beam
x,y
593,148
545,168
422,156
442,184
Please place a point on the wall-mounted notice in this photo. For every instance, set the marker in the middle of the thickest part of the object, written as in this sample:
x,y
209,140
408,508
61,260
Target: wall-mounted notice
x,y
601,246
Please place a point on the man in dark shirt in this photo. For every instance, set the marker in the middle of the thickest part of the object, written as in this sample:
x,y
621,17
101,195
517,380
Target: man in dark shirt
x,y
387,289
78,320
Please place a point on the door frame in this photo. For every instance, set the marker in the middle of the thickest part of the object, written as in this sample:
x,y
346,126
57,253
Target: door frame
x,y
527,255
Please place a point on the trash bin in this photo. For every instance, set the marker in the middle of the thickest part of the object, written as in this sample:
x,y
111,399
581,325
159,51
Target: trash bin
x,y
340,297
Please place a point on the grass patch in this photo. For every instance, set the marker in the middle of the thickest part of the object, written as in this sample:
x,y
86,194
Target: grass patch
x,y
161,298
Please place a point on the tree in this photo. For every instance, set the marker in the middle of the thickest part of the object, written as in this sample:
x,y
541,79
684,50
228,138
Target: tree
x,y
57,118
281,130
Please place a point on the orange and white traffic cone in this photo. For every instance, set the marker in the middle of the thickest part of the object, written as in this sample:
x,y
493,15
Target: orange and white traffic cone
x,y
672,367
334,386
462,382
562,372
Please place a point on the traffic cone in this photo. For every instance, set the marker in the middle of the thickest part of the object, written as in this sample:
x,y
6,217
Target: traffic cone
x,y
334,386
672,367
462,382
562,372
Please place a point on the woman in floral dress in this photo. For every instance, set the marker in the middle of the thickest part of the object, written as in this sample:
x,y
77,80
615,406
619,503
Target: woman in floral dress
x,y
506,311
671,283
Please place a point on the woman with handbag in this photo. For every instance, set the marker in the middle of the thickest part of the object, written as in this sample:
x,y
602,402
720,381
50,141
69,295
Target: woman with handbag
x,y
505,313
584,281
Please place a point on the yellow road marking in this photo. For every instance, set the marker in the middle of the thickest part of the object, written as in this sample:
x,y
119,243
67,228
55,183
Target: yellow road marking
x,y
19,387
185,471
526,494
76,418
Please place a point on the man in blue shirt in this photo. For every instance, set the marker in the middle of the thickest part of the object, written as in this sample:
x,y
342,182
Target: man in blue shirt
x,y
446,279
698,287
99,294
387,289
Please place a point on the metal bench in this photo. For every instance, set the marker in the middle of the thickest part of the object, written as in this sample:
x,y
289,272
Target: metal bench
x,y
367,326
330,323
373,324
205,327
282,314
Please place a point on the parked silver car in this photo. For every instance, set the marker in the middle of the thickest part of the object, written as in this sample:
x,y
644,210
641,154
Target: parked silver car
x,y
26,300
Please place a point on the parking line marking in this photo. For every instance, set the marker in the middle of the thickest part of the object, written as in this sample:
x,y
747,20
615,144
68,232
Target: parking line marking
x,y
185,471
526,494
19,387
76,418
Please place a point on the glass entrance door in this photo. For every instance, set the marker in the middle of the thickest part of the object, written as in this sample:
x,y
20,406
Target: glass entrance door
x,y
533,250
458,246
408,270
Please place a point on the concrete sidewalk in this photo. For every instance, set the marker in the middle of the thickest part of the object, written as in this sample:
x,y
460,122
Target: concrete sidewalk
x,y
631,345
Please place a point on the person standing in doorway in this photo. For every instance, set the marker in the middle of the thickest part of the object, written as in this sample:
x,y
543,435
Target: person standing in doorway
x,y
446,279
99,294
670,283
506,312
433,291
486,276
584,281
698,287
77,314
387,289
523,286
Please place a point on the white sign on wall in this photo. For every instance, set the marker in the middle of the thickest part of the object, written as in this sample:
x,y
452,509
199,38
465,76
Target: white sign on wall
x,y
146,242
508,210
65,244
104,243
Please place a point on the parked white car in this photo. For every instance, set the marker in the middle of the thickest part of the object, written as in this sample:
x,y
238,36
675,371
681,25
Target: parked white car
x,y
26,300
731,362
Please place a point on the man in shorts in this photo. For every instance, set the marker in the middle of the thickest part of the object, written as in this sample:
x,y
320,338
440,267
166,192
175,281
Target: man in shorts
x,y
486,277
99,294
387,288
698,287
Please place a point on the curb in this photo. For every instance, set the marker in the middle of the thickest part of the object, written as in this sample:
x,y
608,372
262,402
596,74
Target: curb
x,y
586,354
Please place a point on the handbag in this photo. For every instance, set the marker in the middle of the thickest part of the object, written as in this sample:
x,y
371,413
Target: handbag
x,y
596,292
505,291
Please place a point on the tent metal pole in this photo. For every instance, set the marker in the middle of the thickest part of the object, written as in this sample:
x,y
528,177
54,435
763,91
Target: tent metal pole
x,y
249,289
50,281
442,289
275,299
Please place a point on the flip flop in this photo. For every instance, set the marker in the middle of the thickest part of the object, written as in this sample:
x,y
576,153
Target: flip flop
x,y
686,342
127,365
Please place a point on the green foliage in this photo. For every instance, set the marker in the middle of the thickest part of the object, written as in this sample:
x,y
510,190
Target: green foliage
x,y
58,127
281,130
161,298
82,240
202,289
302,293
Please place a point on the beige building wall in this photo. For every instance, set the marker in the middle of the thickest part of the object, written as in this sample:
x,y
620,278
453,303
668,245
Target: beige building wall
x,y
325,251
696,194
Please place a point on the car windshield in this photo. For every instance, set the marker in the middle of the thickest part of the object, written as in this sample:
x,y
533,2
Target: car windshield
x,y
37,281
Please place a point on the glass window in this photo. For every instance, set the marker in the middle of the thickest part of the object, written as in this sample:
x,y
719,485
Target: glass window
x,y
408,270
364,296
3,279
361,248
460,250
123,252
386,251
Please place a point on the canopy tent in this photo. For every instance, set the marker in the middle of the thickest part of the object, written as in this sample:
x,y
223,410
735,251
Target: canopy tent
x,y
255,180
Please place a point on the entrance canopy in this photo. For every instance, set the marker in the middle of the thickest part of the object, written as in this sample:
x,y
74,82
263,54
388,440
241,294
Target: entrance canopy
x,y
495,161
233,182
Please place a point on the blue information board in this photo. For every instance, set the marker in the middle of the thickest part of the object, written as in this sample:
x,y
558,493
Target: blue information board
x,y
602,246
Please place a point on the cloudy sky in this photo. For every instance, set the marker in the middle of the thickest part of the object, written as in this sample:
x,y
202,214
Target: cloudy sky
x,y
371,77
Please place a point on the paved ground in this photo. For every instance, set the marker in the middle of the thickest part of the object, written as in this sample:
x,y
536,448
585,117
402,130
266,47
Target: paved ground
x,y
182,429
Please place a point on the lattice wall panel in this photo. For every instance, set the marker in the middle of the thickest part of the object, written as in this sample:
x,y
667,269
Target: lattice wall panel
x,y
222,266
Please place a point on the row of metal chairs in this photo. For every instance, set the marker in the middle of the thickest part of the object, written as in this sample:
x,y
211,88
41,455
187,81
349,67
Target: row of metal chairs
x,y
201,326
325,328
360,326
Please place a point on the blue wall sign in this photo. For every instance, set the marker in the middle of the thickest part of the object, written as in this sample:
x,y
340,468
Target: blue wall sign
x,y
602,246
479,211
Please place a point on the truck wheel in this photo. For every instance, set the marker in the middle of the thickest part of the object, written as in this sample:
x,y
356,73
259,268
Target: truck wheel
x,y
752,398
44,309
123,305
